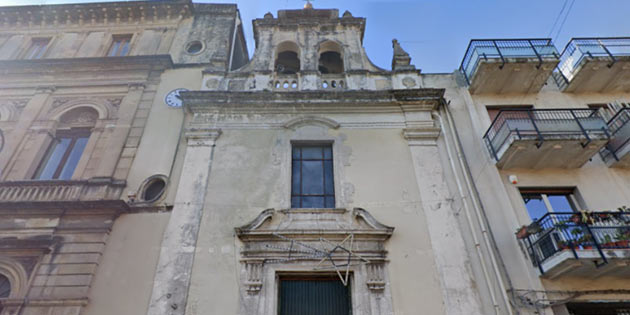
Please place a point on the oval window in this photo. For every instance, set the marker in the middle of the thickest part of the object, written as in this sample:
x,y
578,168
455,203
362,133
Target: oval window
x,y
194,47
154,190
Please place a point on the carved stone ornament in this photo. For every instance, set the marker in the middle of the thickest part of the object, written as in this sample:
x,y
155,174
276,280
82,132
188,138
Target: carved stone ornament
x,y
347,243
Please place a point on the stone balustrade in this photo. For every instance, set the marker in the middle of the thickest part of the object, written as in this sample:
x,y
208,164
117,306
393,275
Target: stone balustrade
x,y
100,188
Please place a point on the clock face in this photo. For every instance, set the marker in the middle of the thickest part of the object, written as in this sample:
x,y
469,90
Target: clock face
x,y
173,99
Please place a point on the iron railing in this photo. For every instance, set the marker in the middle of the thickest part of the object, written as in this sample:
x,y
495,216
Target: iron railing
x,y
541,124
620,134
576,232
479,49
580,48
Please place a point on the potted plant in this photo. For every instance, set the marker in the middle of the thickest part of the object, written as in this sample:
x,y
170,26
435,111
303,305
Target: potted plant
x,y
521,232
562,245
608,241
623,238
586,241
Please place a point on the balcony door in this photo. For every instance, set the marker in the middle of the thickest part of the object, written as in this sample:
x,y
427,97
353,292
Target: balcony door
x,y
540,202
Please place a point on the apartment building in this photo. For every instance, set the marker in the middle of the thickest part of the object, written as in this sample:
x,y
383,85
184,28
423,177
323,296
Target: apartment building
x,y
540,138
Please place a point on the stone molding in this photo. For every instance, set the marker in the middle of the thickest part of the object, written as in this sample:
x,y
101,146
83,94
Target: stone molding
x,y
311,120
94,189
421,136
273,236
202,136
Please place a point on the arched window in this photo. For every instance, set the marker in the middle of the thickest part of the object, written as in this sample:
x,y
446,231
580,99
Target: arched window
x,y
287,58
330,58
65,150
5,287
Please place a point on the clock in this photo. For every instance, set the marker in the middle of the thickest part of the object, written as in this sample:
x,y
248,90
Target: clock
x,y
173,99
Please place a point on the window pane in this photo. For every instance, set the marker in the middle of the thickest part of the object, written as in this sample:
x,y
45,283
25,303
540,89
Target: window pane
x,y
124,49
560,203
328,153
330,202
53,158
535,206
312,177
295,202
312,153
328,174
114,49
312,202
73,158
295,178
296,152
314,297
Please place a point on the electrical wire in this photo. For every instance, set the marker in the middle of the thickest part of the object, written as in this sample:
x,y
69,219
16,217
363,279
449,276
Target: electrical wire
x,y
558,18
565,19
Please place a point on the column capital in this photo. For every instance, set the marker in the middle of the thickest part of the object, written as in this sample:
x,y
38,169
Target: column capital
x,y
422,136
202,136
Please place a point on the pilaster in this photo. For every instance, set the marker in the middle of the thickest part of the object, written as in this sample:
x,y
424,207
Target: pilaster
x,y
449,250
172,277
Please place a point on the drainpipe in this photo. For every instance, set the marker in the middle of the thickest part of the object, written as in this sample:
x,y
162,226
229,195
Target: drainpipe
x,y
479,215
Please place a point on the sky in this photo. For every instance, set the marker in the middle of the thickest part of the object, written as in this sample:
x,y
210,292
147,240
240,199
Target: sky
x,y
436,33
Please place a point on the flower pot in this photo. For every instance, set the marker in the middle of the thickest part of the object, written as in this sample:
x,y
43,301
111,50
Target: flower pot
x,y
610,244
624,243
522,233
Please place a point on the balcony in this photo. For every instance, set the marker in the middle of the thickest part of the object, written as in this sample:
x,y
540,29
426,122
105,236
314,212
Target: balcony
x,y
508,66
38,191
546,138
578,244
594,65
616,153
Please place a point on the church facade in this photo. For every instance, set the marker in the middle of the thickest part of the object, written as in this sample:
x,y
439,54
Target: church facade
x,y
150,166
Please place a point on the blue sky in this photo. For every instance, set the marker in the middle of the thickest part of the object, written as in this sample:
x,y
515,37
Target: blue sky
x,y
436,32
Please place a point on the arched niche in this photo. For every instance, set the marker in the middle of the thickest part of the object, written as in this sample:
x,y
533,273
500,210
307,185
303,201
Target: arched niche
x,y
80,116
287,59
330,58
16,277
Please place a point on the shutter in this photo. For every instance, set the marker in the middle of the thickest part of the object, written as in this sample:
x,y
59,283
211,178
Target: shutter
x,y
313,297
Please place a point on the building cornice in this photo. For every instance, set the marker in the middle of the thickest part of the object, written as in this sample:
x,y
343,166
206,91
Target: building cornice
x,y
84,64
418,99
103,13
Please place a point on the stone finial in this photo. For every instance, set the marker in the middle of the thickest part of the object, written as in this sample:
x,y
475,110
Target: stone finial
x,y
347,14
268,15
401,60
308,5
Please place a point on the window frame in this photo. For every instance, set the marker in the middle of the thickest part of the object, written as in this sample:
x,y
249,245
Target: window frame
x,y
569,192
41,52
114,39
280,277
333,195
74,134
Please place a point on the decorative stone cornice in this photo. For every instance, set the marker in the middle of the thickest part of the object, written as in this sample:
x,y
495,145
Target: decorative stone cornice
x,y
94,14
85,64
392,100
199,136
421,136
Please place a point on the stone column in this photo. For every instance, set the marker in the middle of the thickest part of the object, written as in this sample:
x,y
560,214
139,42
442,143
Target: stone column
x,y
172,277
116,135
29,114
449,249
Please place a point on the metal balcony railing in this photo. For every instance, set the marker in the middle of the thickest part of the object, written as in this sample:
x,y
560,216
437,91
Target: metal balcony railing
x,y
620,134
543,124
479,49
576,232
579,48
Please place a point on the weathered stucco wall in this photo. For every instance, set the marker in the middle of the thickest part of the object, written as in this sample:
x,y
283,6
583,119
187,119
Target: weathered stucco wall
x,y
124,277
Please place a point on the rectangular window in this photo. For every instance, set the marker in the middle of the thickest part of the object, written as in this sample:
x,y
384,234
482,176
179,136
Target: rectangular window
x,y
540,202
120,45
312,184
313,296
63,155
37,48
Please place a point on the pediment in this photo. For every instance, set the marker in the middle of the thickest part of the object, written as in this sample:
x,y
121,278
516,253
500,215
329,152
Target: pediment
x,y
310,223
